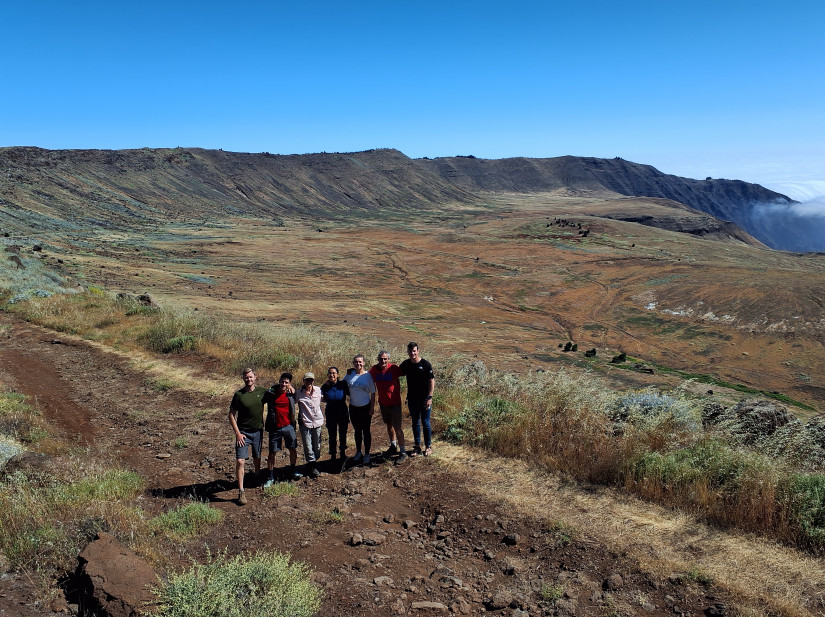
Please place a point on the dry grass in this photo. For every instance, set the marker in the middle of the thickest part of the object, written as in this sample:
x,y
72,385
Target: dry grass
x,y
764,577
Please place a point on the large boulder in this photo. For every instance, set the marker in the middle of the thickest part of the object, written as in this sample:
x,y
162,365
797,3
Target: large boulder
x,y
113,581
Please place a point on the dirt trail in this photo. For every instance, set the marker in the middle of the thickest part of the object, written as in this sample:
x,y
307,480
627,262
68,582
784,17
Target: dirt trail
x,y
431,543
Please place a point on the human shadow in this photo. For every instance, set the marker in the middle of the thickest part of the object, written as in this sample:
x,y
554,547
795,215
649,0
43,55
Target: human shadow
x,y
203,491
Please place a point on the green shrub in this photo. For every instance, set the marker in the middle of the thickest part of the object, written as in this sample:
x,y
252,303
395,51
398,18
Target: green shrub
x,y
475,422
186,521
243,586
179,343
280,488
805,498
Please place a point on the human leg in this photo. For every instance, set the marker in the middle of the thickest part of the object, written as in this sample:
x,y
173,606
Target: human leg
x,y
415,415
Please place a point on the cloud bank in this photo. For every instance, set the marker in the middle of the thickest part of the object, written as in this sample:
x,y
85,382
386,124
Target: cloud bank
x,y
794,227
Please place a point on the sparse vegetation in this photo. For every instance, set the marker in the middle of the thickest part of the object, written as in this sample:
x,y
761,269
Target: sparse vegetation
x,y
649,442
280,488
188,520
260,584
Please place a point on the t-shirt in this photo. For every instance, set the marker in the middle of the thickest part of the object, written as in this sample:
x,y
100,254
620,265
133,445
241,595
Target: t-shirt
x,y
250,409
278,404
418,377
388,384
361,388
335,395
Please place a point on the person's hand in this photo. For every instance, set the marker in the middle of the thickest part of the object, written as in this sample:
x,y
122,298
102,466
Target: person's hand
x,y
241,440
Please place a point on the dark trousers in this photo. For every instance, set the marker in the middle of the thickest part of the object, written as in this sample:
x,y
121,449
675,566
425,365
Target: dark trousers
x,y
420,414
361,419
337,424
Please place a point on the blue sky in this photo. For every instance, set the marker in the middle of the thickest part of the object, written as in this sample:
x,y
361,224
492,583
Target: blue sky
x,y
722,89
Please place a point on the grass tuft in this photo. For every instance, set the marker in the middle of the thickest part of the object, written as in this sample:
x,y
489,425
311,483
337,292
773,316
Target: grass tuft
x,y
243,586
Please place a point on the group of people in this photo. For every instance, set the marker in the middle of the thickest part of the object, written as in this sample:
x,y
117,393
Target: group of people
x,y
289,410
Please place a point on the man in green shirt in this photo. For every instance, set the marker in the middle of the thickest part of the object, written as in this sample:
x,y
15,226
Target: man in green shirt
x,y
246,417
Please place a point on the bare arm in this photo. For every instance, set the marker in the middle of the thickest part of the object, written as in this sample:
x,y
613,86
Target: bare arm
x,y
233,422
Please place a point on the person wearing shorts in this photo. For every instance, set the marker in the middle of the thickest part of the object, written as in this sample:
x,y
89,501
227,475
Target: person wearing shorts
x,y
361,407
386,376
280,424
246,417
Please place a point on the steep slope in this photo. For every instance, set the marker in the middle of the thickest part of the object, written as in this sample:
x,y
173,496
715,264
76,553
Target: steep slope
x,y
65,190
728,200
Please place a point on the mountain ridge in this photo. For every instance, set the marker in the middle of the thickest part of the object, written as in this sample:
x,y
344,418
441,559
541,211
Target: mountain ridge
x,y
60,189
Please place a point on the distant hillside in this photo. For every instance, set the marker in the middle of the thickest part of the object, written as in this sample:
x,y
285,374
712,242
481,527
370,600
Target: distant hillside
x,y
60,190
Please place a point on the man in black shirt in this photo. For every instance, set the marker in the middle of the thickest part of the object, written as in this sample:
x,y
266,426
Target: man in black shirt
x,y
420,385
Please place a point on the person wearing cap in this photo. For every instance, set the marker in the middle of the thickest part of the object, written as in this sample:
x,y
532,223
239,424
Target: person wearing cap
x,y
311,421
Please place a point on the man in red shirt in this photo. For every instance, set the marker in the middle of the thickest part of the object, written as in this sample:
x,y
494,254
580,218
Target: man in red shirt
x,y
386,376
280,424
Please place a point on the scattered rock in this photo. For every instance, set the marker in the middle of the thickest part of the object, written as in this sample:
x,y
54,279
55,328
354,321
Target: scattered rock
x,y
373,538
356,539
426,605
613,582
500,599
511,539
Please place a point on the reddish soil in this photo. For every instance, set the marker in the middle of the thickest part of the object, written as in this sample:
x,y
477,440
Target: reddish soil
x,y
427,536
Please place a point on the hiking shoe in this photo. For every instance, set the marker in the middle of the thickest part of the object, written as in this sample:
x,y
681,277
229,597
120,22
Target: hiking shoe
x,y
367,459
390,451
314,472
241,498
358,457
296,475
401,458
269,482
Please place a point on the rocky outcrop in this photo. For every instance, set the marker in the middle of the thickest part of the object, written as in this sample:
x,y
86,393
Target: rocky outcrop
x,y
112,581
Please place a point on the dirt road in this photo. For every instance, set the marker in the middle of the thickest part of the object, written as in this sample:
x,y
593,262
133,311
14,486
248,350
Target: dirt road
x,y
413,539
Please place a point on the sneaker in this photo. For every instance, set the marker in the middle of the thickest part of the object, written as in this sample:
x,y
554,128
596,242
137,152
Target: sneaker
x,y
390,451
367,459
269,482
314,472
401,458
241,498
358,457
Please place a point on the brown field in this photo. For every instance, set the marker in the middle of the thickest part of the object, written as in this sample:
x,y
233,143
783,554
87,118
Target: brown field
x,y
505,284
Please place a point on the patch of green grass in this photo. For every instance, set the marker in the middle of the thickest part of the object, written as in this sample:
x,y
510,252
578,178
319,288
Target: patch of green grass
x,y
180,443
551,593
187,521
161,384
243,586
280,488
696,575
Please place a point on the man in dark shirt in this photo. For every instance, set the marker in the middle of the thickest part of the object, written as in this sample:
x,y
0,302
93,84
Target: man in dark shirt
x,y
420,386
246,417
